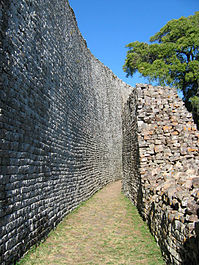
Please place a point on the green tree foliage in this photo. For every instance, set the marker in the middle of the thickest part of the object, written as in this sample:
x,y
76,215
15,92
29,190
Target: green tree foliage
x,y
195,108
172,58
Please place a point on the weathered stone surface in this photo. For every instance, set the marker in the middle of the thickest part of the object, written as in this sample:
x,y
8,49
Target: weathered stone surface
x,y
165,185
60,121
61,136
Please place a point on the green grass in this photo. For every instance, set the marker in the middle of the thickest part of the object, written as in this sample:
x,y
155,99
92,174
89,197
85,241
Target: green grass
x,y
120,238
147,239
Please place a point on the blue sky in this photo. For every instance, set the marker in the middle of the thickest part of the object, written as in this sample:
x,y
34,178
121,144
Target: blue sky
x,y
108,25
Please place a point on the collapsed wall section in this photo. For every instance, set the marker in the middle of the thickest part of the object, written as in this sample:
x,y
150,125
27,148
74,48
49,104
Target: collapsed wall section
x,y
60,122
165,185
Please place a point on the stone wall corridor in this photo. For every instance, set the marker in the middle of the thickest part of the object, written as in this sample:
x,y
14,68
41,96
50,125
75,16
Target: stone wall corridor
x,y
107,229
69,126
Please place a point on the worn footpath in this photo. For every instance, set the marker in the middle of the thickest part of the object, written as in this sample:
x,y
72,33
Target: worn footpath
x,y
107,229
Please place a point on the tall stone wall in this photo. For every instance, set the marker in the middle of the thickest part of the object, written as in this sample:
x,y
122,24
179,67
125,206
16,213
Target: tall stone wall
x,y
130,149
165,185
61,136
61,129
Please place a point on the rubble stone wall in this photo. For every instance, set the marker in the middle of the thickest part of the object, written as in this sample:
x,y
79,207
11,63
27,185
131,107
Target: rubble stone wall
x,y
165,185
61,136
60,121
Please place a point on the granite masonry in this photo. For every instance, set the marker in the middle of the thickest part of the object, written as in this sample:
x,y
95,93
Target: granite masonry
x,y
61,113
161,173
61,128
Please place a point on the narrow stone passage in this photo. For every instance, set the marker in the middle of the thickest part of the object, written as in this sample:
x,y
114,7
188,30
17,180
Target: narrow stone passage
x,y
107,229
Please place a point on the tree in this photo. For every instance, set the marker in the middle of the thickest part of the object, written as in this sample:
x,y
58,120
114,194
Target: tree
x,y
172,58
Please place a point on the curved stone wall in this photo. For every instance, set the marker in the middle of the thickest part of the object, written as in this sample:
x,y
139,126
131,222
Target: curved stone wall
x,y
161,174
61,136
61,129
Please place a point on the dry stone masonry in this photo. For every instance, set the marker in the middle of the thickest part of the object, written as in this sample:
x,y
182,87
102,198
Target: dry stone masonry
x,y
61,113
61,129
165,188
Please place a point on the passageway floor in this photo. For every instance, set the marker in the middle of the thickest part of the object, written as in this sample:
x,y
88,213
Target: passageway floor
x,y
106,229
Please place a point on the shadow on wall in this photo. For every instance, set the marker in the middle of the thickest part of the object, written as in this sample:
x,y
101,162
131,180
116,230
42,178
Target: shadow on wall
x,y
140,204
165,187
190,250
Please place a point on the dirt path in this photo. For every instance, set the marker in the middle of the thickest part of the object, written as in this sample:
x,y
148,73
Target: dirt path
x,y
106,230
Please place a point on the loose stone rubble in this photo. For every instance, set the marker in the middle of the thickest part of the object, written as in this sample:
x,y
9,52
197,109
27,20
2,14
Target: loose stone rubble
x,y
61,136
166,188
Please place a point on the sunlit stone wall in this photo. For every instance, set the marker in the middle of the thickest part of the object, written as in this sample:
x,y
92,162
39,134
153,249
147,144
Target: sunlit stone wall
x,y
61,129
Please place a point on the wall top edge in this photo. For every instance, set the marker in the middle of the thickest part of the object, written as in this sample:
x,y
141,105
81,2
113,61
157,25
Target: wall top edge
x,y
93,56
